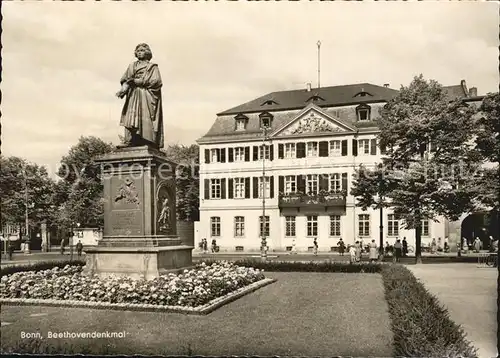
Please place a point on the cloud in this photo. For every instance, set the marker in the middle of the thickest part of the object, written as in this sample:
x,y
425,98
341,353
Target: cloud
x,y
63,60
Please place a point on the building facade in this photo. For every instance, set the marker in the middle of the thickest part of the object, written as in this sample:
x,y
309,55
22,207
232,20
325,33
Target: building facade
x,y
282,166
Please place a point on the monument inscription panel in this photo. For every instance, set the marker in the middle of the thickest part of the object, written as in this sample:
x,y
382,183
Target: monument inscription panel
x,y
126,222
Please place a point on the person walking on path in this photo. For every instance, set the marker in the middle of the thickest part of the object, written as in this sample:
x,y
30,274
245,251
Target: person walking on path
x,y
397,251
352,254
10,249
466,245
205,246
294,247
433,246
315,243
405,247
373,251
477,245
79,248
62,246
341,246
358,251
214,245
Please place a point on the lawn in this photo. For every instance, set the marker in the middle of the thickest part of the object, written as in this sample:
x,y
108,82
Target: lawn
x,y
301,314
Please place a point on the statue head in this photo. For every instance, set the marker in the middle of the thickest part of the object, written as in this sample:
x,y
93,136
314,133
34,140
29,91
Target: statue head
x,y
148,55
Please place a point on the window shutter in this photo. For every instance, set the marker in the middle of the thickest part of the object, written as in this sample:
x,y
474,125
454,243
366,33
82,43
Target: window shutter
x,y
281,151
354,147
255,187
271,179
271,152
223,188
323,149
223,155
344,147
247,154
230,188
281,184
207,156
373,145
301,183
230,155
301,150
207,188
344,182
323,182
255,153
247,188
218,154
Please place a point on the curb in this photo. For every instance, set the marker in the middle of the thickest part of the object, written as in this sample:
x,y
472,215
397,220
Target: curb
x,y
199,310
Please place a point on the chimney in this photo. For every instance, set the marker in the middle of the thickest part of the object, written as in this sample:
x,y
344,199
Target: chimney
x,y
308,87
473,92
386,85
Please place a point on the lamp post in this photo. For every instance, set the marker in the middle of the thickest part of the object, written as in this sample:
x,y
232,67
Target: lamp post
x,y
26,219
263,252
381,211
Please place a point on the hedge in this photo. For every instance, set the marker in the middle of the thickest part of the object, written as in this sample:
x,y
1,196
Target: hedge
x,y
420,324
39,266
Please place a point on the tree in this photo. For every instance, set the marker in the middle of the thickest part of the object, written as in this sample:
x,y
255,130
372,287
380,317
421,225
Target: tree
x,y
371,189
187,180
25,184
79,192
428,141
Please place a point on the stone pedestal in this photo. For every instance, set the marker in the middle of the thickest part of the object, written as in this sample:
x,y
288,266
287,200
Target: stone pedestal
x,y
140,235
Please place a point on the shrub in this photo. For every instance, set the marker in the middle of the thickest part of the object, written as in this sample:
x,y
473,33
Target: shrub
x,y
313,266
39,266
421,326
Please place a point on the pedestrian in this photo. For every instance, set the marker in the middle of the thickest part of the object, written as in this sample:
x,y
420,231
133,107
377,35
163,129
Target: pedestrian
x,y
405,247
62,246
205,246
294,247
352,254
490,247
477,245
433,246
439,243
10,248
79,248
466,245
446,247
358,251
397,251
214,245
315,243
373,251
341,246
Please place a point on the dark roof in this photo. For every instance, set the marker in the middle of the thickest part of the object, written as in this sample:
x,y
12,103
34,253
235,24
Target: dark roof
x,y
455,91
332,96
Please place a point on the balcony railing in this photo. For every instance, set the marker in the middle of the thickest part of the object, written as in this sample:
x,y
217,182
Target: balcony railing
x,y
323,199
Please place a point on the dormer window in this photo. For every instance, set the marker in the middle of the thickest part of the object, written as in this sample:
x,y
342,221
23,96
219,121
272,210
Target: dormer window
x,y
266,120
315,98
363,94
363,112
240,122
269,102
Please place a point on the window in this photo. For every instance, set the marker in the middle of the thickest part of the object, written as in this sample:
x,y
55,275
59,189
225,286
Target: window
x,y
215,189
239,188
335,148
363,115
214,155
290,184
392,225
239,226
335,225
240,124
290,226
312,184
364,225
264,152
239,154
265,122
289,150
264,227
215,226
335,182
267,187
312,225
425,227
364,146
312,149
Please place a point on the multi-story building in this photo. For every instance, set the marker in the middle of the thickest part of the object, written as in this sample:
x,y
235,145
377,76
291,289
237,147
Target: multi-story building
x,y
292,154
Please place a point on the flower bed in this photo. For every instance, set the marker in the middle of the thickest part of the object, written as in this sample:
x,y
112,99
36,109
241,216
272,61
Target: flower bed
x,y
192,288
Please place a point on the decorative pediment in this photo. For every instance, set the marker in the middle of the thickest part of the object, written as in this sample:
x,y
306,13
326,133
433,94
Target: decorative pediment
x,y
312,123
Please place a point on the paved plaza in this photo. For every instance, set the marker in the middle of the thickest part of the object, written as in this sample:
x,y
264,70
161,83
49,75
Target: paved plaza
x,y
470,294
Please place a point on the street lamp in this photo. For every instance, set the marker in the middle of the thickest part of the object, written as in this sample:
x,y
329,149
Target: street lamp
x,y
381,209
26,204
263,248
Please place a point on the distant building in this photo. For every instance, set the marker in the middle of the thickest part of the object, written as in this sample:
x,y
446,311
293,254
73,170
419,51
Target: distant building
x,y
315,138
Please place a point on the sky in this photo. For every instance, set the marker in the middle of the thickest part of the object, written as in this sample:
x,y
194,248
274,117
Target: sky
x,y
62,61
